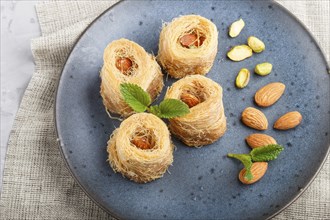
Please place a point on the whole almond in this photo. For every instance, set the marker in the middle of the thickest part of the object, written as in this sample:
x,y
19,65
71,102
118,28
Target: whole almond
x,y
258,170
142,143
242,78
288,121
254,118
190,99
123,65
191,39
259,140
269,94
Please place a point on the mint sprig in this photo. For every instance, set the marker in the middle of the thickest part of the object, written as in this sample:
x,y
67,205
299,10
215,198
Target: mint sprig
x,y
260,154
170,108
268,153
135,97
247,162
139,100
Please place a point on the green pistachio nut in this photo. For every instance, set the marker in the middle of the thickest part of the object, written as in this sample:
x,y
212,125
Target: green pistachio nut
x,y
242,78
256,44
236,28
263,69
239,53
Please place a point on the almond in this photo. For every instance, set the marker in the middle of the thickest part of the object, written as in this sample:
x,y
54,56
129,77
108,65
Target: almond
x,y
254,118
190,99
189,40
259,140
123,64
142,143
258,170
243,78
269,94
288,121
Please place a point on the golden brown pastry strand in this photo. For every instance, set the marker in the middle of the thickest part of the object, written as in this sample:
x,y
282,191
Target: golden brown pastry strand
x,y
206,121
141,164
126,61
187,46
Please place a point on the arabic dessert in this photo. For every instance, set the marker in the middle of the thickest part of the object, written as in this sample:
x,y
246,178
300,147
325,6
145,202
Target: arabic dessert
x,y
141,148
188,45
126,61
206,121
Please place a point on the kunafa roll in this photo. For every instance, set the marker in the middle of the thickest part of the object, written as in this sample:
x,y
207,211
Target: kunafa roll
x,y
188,45
141,148
126,61
206,121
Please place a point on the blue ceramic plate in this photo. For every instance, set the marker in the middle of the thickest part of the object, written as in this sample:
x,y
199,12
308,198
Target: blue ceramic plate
x,y
202,183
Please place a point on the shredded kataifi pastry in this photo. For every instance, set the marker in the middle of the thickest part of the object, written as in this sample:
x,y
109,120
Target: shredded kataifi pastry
x,y
206,121
188,45
127,62
141,148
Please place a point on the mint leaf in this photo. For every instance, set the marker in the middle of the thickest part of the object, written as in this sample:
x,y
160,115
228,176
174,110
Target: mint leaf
x,y
135,97
247,162
170,108
266,153
139,100
248,174
155,110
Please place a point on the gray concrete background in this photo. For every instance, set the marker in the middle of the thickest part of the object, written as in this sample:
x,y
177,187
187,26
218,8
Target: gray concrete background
x,y
19,24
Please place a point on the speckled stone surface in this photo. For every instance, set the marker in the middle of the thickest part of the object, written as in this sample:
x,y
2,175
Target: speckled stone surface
x,y
202,182
19,24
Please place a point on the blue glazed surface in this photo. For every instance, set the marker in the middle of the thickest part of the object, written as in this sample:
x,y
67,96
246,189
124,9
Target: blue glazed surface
x,y
202,183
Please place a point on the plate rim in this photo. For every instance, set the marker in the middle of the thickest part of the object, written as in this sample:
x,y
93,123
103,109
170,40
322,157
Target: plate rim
x,y
311,180
90,196
59,144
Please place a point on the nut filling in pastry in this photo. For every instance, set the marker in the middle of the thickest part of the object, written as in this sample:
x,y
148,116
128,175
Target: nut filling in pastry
x,y
141,148
206,121
127,62
188,46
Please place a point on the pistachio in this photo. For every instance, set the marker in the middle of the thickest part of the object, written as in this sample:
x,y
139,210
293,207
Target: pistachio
x,y
263,69
239,53
242,78
256,44
188,40
236,28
